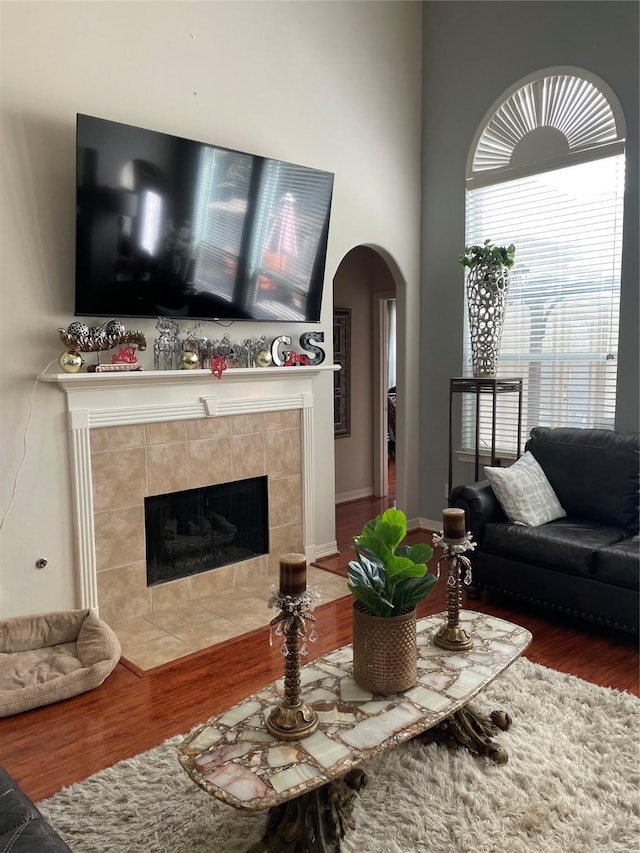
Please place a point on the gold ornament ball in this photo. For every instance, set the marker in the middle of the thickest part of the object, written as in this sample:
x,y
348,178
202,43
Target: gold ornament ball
x,y
262,358
70,361
189,360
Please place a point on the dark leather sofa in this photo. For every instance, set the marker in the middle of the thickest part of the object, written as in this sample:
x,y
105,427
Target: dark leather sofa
x,y
587,564
22,827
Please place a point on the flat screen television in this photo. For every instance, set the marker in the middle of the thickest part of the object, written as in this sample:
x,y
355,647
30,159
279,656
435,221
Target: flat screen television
x,y
166,226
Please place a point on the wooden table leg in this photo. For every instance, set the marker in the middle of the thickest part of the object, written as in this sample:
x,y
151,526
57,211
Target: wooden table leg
x,y
473,731
315,822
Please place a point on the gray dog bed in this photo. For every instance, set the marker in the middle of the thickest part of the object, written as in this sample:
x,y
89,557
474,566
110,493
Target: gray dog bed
x,y
52,656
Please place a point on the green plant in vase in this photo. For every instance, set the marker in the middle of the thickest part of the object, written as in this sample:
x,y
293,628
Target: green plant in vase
x,y
387,581
389,578
487,283
488,256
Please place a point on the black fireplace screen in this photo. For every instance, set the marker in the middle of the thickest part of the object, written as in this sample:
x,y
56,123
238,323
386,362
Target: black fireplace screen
x,y
200,529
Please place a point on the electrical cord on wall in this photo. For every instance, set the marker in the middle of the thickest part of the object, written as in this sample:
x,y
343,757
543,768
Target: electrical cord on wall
x,y
24,442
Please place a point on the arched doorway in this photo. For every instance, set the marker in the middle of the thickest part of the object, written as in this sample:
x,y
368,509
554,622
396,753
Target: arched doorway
x,y
367,285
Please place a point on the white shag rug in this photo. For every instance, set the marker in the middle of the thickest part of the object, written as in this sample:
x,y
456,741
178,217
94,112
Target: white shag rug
x,y
571,785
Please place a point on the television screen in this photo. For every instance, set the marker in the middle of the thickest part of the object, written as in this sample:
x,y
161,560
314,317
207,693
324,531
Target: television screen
x,y
171,227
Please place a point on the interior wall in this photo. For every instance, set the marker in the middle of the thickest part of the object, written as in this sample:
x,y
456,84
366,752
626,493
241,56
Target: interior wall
x,y
335,86
354,453
363,273
472,52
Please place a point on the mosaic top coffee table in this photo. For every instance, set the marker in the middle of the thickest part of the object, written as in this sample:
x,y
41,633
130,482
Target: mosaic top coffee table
x,y
309,784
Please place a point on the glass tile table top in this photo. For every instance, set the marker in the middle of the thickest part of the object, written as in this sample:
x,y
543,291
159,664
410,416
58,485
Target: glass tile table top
x,y
235,759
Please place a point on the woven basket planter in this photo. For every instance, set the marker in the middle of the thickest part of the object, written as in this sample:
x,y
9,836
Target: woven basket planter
x,y
385,653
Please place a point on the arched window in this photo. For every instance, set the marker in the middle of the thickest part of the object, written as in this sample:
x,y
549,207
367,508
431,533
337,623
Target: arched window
x,y
546,172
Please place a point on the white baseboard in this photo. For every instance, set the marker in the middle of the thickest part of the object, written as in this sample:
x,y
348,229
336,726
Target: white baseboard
x,y
422,524
429,525
357,495
327,550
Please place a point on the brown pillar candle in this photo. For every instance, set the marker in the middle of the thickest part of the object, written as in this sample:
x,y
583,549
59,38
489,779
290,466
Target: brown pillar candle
x,y
293,574
453,522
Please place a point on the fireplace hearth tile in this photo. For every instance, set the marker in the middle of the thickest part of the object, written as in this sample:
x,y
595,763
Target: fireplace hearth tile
x,y
209,462
167,468
166,432
117,438
287,419
210,633
207,428
261,589
123,593
285,500
284,540
246,424
231,602
330,590
248,456
210,583
119,537
283,453
256,617
167,636
250,572
119,478
156,652
179,619
316,576
133,632
165,596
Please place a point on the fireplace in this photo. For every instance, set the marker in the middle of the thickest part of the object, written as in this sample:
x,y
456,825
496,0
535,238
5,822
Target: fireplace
x,y
135,435
196,530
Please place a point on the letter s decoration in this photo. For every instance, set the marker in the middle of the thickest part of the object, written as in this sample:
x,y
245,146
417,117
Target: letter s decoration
x,y
307,340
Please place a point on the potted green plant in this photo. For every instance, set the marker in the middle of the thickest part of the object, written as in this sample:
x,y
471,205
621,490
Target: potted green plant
x,y
489,256
388,579
488,268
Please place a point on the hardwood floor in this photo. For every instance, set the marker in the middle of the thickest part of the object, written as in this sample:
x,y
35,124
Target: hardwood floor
x,y
49,748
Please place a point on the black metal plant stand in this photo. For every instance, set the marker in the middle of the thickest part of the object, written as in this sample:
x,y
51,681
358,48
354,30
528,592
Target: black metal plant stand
x,y
479,385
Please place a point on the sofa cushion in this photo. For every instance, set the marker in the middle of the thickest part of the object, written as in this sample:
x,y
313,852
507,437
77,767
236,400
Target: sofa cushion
x,y
524,492
594,472
566,545
620,564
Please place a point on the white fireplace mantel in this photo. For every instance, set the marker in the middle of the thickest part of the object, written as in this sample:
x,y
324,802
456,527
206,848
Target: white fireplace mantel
x,y
134,397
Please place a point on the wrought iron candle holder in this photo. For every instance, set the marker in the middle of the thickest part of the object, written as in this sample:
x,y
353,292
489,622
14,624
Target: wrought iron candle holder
x,y
452,635
293,719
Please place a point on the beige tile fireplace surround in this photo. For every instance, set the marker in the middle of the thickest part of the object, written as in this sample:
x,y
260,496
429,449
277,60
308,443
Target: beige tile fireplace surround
x,y
129,463
125,448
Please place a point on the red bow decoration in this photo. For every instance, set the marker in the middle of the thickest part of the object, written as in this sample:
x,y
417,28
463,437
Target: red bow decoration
x,y
218,366
293,358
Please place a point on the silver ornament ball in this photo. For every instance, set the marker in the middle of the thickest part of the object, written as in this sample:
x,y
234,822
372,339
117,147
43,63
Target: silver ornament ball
x,y
115,327
97,334
77,330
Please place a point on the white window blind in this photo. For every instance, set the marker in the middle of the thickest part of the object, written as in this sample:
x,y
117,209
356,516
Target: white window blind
x,y
561,325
